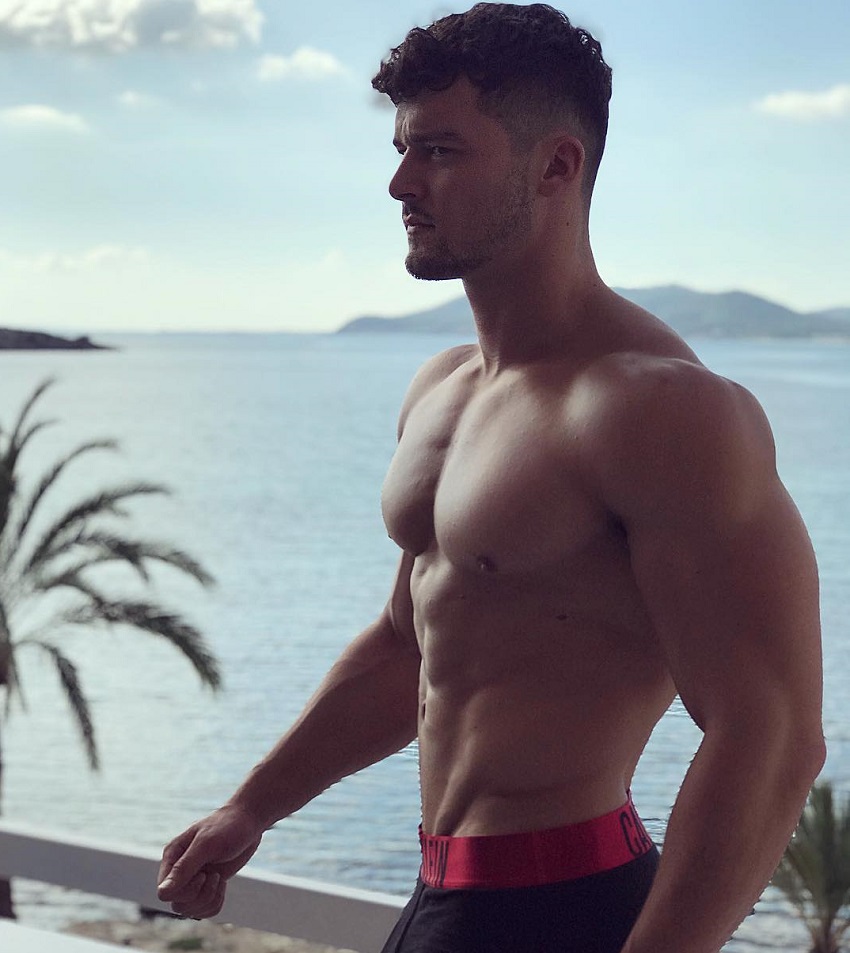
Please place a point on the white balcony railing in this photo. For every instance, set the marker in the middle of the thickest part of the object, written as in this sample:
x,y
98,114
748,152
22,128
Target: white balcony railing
x,y
291,906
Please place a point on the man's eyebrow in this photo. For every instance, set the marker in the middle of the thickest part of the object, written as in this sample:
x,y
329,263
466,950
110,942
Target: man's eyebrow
x,y
417,138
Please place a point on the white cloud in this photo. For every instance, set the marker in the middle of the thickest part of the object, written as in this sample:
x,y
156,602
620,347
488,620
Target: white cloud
x,y
831,103
116,26
99,257
133,100
306,63
37,116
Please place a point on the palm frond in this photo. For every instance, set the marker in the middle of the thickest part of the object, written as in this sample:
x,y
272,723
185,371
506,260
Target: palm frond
x,y
9,481
6,653
61,536
106,549
32,400
7,493
23,439
14,445
792,877
49,478
72,579
8,475
152,618
111,548
77,701
814,872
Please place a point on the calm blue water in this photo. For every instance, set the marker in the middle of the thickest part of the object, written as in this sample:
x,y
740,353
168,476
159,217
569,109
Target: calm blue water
x,y
276,447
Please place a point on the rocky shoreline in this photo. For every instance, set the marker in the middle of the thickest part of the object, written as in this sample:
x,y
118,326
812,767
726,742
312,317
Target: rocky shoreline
x,y
15,340
167,935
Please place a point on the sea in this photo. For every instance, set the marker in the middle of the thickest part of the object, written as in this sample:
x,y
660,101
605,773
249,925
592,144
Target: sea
x,y
274,447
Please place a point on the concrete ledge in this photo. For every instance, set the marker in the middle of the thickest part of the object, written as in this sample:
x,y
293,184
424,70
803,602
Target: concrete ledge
x,y
16,938
292,906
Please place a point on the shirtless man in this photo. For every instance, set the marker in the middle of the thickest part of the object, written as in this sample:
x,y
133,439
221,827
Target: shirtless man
x,y
590,522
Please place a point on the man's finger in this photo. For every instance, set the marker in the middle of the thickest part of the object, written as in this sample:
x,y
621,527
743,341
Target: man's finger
x,y
172,853
185,894
206,900
180,877
211,899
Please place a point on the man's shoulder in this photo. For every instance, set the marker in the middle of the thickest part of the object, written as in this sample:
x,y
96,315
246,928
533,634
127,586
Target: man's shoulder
x,y
667,427
628,353
439,366
631,383
434,371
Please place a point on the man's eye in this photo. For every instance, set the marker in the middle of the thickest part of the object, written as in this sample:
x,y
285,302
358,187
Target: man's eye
x,y
438,152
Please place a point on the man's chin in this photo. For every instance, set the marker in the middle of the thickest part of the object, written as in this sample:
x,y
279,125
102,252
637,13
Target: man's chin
x,y
432,269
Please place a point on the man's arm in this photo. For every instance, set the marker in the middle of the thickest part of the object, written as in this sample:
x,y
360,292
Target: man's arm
x,y
729,579
364,710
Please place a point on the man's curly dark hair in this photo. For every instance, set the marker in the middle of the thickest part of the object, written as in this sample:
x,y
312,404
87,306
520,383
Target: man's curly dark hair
x,y
535,71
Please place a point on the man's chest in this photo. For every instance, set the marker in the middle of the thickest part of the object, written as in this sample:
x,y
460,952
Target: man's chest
x,y
494,483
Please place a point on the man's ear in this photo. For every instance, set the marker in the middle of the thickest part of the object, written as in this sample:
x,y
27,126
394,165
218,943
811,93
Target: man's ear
x,y
564,164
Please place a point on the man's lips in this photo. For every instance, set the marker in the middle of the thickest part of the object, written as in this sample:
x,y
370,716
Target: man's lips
x,y
416,221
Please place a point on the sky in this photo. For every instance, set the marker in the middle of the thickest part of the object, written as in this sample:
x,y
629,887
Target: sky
x,y
223,164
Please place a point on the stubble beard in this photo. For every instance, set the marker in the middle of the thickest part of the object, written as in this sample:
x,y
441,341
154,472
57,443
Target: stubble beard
x,y
509,221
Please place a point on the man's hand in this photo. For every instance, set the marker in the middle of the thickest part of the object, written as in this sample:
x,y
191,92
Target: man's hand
x,y
197,864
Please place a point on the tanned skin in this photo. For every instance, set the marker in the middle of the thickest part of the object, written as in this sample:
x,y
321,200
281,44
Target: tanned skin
x,y
590,522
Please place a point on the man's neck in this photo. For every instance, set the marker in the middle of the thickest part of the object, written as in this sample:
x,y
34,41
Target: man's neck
x,y
532,309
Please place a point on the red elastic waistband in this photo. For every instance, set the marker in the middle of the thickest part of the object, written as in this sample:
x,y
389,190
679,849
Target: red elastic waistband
x,y
534,858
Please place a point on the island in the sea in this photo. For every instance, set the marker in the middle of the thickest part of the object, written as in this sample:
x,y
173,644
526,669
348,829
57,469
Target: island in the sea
x,y
731,314
16,340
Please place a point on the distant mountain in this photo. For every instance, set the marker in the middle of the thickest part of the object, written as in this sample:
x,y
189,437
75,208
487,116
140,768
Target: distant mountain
x,y
835,314
453,317
730,314
14,340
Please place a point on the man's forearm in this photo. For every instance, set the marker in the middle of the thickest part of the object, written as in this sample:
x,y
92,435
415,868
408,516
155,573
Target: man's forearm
x,y
734,815
364,710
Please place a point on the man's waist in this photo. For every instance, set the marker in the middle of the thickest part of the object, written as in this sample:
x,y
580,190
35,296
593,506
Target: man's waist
x,y
535,858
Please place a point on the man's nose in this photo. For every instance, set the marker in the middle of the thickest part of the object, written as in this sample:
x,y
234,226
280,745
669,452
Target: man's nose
x,y
404,184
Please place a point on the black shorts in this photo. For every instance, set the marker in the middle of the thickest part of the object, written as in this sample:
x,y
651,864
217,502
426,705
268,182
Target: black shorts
x,y
572,889
592,914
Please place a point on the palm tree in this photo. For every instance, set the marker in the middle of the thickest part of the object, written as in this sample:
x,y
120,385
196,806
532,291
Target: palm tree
x,y
50,569
814,873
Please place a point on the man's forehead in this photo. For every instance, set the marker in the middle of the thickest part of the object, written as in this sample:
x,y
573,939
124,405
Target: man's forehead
x,y
414,126
452,112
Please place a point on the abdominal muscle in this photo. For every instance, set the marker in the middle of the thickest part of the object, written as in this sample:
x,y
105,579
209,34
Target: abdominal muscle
x,y
530,718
